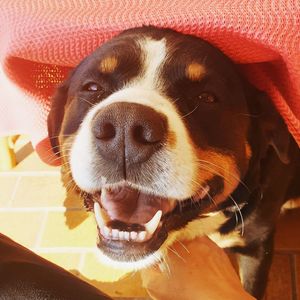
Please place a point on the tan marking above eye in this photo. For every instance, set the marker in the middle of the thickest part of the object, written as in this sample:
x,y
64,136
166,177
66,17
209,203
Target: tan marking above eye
x,y
108,64
194,71
248,151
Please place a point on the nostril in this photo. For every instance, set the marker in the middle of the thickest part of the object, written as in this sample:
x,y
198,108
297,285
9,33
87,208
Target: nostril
x,y
138,135
147,134
105,131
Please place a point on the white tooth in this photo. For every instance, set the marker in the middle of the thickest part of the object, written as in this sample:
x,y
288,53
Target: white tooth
x,y
107,232
152,225
142,235
98,215
115,233
103,195
127,235
121,235
133,235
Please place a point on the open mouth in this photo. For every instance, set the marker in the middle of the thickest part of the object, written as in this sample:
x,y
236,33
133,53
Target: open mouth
x,y
126,214
133,224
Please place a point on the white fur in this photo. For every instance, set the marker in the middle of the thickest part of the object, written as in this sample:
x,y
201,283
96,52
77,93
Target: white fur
x,y
155,54
134,265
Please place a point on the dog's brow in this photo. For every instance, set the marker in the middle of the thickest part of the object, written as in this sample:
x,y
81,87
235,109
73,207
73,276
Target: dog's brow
x,y
108,64
194,71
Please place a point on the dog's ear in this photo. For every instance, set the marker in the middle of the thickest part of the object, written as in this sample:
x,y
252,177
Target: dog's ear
x,y
274,131
56,114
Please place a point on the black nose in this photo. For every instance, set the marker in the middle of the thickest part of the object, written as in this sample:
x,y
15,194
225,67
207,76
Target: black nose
x,y
128,133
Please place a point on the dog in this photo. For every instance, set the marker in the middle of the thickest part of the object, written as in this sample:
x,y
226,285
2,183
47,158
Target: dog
x,y
165,140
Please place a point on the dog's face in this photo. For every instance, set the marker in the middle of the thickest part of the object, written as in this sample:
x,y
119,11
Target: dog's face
x,y
151,125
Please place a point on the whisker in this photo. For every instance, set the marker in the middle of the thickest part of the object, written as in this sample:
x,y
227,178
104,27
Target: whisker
x,y
230,196
175,100
61,135
57,146
183,246
223,169
241,215
184,116
166,266
90,103
248,115
176,253
208,194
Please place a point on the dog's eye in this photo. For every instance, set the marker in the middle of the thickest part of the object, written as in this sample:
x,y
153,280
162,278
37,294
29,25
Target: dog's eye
x,y
207,98
91,87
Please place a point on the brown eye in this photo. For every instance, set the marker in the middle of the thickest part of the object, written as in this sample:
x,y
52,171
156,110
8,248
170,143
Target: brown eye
x,y
207,98
91,87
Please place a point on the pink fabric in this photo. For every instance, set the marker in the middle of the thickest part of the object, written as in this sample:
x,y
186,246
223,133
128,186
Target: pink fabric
x,y
40,41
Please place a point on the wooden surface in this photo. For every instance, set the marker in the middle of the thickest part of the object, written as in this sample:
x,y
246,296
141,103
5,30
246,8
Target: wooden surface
x,y
284,279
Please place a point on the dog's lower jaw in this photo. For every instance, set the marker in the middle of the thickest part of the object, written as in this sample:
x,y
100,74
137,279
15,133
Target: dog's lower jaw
x,y
197,228
134,265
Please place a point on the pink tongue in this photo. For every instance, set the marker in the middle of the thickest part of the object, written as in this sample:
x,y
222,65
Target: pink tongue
x,y
131,206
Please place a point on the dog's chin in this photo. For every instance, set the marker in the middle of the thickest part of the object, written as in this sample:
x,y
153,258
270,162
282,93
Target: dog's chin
x,y
133,225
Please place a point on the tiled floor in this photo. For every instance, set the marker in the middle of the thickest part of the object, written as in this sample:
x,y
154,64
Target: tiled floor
x,y
34,211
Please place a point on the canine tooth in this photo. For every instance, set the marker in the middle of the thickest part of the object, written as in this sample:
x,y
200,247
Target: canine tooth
x,y
104,194
121,235
152,225
98,215
133,235
127,235
141,235
107,232
115,233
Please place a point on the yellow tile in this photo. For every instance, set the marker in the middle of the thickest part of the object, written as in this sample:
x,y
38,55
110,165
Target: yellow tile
x,y
7,186
32,162
68,261
58,233
27,158
23,227
39,191
116,283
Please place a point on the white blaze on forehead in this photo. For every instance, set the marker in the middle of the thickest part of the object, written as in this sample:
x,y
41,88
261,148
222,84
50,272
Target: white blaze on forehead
x,y
154,53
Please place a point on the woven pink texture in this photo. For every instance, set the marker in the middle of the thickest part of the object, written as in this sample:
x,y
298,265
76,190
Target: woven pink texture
x,y
40,41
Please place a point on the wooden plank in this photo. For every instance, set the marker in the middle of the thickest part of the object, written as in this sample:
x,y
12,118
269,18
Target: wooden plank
x,y
287,237
297,275
280,279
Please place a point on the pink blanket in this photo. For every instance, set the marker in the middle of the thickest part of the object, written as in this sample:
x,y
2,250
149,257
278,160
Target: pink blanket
x,y
40,41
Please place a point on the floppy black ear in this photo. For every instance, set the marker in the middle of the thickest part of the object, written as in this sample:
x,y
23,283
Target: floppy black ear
x,y
274,131
56,114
